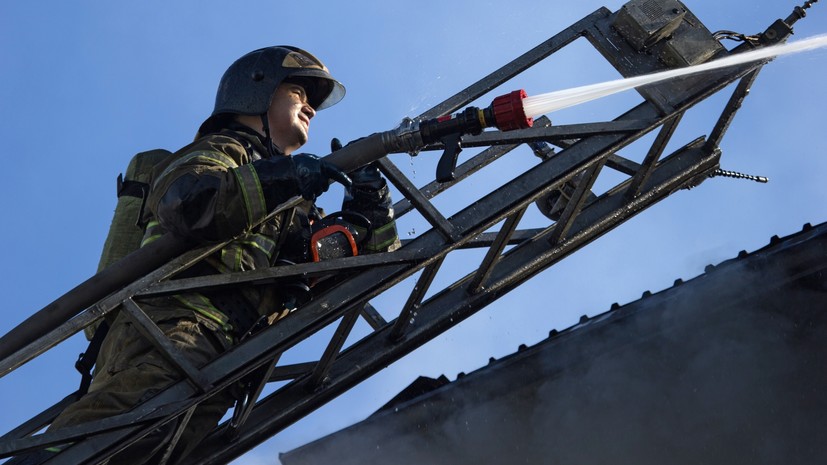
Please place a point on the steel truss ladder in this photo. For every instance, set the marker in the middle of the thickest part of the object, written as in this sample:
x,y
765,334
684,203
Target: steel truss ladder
x,y
586,150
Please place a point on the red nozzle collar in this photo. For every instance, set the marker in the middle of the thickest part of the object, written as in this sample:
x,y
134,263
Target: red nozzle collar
x,y
509,112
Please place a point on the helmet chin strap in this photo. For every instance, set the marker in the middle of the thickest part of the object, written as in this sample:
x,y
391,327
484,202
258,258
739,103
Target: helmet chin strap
x,y
272,150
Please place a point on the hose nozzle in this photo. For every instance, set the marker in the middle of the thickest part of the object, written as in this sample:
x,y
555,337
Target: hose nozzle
x,y
505,113
508,112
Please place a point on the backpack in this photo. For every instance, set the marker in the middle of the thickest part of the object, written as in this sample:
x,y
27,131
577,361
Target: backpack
x,y
127,228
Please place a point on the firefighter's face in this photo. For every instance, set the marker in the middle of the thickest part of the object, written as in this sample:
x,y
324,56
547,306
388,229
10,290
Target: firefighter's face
x,y
289,117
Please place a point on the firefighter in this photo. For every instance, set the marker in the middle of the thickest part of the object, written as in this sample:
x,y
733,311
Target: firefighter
x,y
241,165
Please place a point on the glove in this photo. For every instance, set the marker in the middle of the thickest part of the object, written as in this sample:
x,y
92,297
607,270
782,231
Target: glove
x,y
304,174
369,197
315,174
368,193
367,177
368,189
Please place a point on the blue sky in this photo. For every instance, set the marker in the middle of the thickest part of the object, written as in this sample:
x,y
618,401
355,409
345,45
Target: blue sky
x,y
87,84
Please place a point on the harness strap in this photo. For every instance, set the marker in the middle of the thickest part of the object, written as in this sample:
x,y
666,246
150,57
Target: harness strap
x,y
131,187
86,360
137,189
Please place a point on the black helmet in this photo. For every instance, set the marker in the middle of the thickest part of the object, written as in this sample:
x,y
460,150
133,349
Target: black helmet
x,y
249,83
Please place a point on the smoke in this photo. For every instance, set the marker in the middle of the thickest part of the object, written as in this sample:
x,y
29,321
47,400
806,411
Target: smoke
x,y
726,368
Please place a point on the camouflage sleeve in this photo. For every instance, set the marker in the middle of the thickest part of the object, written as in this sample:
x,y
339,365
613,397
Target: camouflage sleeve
x,y
370,196
207,191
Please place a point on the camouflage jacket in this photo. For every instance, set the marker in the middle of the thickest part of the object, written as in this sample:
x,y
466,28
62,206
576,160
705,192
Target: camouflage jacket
x,y
210,192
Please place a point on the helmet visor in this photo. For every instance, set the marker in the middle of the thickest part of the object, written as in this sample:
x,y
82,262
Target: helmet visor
x,y
325,91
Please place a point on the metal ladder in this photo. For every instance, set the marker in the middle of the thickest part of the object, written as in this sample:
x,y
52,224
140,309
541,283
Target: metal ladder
x,y
490,223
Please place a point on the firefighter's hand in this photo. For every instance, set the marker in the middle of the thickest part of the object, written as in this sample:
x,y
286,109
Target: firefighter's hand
x,y
314,175
367,177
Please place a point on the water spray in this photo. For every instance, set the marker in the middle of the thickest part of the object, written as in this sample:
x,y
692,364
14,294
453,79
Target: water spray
x,y
516,110
558,100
